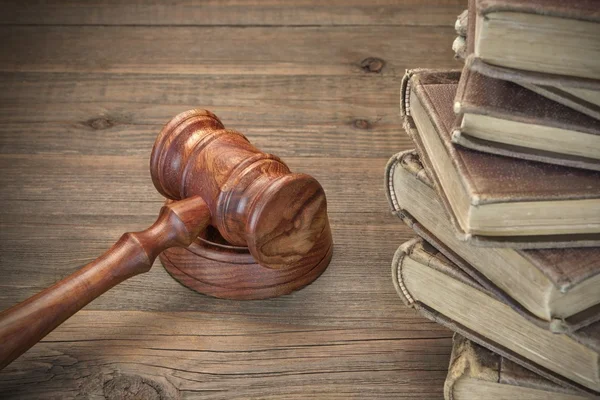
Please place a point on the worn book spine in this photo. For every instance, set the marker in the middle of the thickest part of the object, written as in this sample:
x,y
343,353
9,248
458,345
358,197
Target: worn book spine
x,y
470,360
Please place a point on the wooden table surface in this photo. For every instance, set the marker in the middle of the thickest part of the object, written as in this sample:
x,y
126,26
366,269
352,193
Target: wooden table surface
x,y
85,88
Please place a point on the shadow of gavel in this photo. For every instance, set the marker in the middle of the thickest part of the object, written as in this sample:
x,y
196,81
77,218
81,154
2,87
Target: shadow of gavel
x,y
213,177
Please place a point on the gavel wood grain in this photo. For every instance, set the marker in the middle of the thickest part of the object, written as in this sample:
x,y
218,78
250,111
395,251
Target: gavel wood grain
x,y
273,220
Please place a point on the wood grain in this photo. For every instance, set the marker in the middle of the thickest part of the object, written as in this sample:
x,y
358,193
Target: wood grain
x,y
188,50
101,133
84,89
350,183
25,324
194,355
232,12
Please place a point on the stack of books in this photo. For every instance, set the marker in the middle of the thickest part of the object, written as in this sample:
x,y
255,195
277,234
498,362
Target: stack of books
x,y
503,191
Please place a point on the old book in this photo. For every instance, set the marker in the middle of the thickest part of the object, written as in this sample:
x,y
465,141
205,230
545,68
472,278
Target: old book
x,y
493,199
551,36
556,289
581,94
501,117
477,373
442,292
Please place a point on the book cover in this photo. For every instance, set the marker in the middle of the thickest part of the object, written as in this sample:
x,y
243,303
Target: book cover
x,y
427,281
476,372
549,36
513,121
553,288
492,187
581,94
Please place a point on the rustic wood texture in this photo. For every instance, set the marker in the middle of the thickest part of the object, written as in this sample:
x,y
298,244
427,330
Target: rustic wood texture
x,y
84,89
23,325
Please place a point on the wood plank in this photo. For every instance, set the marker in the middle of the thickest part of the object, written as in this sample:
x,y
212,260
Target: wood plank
x,y
38,250
90,132
193,355
355,116
154,99
350,183
232,12
78,114
295,116
220,51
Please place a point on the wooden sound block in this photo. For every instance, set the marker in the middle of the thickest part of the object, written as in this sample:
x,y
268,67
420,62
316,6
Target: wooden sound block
x,y
213,267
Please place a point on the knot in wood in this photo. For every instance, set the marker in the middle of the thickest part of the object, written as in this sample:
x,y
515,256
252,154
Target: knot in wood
x,y
372,65
362,124
130,387
100,123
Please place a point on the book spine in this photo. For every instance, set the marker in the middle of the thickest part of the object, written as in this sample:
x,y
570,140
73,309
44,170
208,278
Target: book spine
x,y
468,359
403,251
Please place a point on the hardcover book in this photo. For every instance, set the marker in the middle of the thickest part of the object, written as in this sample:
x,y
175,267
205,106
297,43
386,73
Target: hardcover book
x,y
501,117
581,94
477,373
491,199
442,292
556,289
551,36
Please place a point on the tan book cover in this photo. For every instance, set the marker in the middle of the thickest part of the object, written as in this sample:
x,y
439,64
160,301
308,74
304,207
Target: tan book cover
x,y
495,200
501,117
476,373
427,281
549,36
553,288
581,94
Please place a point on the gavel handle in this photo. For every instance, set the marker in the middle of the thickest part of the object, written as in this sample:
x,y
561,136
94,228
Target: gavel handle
x,y
24,324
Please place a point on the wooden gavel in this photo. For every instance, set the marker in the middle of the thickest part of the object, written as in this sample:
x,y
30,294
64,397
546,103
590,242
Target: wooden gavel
x,y
214,177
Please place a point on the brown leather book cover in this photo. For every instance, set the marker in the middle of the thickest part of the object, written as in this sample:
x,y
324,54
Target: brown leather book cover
x,y
470,360
549,85
483,95
565,268
492,178
429,257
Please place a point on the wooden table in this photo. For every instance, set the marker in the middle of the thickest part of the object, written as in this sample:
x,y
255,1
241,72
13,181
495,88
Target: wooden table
x,y
84,90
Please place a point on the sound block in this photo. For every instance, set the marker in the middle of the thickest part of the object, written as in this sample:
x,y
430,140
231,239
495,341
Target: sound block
x,y
215,268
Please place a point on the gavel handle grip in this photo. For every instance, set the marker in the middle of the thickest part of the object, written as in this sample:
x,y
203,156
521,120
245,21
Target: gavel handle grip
x,y
24,324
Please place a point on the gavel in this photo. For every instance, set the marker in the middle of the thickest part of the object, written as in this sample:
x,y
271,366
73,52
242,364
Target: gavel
x,y
237,224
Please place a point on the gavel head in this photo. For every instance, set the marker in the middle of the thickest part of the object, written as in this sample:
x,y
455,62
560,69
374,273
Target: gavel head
x,y
254,199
